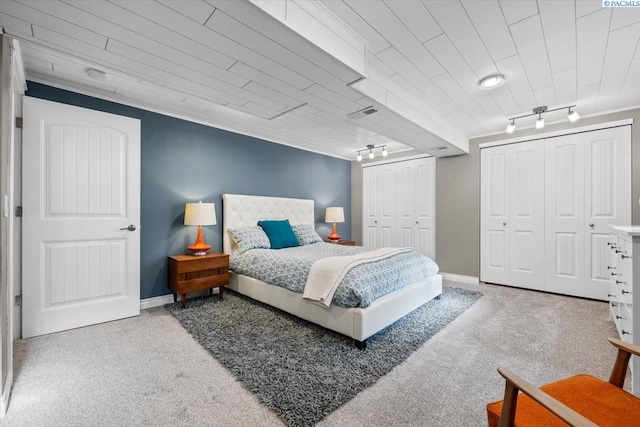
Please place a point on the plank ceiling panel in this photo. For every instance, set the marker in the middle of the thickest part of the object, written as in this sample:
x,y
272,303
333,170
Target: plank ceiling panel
x,y
586,7
166,19
546,96
269,93
505,101
398,62
517,82
623,16
416,17
631,88
16,25
442,49
282,87
559,24
617,61
376,43
566,87
588,97
69,29
529,40
488,20
592,36
373,61
271,29
518,10
458,94
406,87
489,105
197,10
454,21
378,15
333,98
36,62
102,16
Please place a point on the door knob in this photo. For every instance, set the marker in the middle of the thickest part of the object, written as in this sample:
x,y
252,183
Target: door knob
x,y
591,225
131,227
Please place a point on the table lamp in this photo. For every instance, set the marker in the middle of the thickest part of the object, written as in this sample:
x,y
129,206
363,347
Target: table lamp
x,y
334,215
200,214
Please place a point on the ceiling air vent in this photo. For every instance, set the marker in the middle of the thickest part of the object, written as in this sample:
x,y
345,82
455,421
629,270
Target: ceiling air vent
x,y
362,113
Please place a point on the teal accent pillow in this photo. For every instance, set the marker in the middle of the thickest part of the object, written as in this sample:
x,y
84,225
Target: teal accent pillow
x,y
280,233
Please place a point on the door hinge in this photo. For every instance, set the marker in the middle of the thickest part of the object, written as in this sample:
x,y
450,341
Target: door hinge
x,y
19,122
18,300
18,211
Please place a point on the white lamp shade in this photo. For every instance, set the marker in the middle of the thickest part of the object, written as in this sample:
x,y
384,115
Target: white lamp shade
x,y
334,214
200,214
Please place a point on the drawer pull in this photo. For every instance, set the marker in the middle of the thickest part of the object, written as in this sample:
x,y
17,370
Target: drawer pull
x,y
617,251
624,256
625,292
619,317
611,244
625,332
610,267
610,296
619,282
614,274
613,304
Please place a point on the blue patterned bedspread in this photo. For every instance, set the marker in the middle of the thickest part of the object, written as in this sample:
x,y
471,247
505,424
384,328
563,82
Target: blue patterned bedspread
x,y
361,286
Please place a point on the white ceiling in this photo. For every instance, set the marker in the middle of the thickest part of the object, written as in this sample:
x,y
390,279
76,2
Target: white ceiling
x,y
284,70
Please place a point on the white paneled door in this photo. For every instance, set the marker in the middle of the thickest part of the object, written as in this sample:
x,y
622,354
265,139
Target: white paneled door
x,y
512,215
399,205
81,215
588,189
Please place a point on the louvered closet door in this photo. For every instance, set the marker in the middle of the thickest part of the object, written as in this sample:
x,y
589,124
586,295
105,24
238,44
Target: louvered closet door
x,y
607,201
525,172
494,215
564,205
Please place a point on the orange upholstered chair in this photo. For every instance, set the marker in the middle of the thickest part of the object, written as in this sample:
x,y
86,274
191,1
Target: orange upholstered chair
x,y
581,400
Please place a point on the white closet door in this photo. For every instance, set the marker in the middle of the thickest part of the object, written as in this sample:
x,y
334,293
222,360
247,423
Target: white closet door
x,y
607,200
525,172
379,206
425,204
405,204
564,206
494,215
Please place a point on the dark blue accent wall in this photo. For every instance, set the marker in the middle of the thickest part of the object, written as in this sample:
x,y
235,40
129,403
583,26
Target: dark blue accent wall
x,y
184,161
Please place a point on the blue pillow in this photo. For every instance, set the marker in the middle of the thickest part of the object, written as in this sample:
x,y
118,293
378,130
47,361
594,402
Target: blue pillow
x,y
280,234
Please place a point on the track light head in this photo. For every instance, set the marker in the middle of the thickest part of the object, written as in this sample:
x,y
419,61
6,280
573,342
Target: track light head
x,y
511,127
371,155
573,116
385,153
359,158
540,122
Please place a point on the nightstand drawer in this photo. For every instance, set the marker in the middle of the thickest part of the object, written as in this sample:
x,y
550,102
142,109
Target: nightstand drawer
x,y
201,283
202,263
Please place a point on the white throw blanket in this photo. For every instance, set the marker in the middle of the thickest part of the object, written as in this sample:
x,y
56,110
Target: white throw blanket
x,y
326,274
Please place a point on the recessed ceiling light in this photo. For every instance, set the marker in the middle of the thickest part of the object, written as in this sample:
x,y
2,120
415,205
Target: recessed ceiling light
x,y
491,82
97,74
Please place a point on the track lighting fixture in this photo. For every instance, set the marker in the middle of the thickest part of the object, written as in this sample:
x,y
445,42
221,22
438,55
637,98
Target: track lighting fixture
x,y
572,115
372,155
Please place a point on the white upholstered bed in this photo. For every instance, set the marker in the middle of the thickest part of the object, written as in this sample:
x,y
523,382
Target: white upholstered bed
x,y
357,323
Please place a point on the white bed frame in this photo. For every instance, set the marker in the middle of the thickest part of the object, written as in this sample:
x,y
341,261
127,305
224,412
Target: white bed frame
x,y
357,323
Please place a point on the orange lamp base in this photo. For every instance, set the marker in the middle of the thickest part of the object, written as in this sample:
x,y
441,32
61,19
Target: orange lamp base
x,y
199,247
334,236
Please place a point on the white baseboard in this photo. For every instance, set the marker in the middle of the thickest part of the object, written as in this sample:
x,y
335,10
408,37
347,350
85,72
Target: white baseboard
x,y
460,278
166,299
6,394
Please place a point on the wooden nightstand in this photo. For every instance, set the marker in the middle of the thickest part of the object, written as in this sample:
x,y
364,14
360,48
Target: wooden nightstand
x,y
188,273
347,242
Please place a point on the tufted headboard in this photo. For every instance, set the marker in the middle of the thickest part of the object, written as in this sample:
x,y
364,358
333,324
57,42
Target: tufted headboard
x,y
239,210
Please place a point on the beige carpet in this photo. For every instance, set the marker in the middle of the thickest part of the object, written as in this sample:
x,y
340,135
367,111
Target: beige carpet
x,y
149,371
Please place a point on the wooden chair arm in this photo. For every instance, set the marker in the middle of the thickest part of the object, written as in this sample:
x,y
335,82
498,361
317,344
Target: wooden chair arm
x,y
515,383
619,371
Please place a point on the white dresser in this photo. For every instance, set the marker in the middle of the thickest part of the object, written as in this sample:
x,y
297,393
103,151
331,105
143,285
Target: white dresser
x,y
624,302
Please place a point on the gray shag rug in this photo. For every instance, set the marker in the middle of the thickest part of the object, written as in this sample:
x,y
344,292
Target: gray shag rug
x,y
300,370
